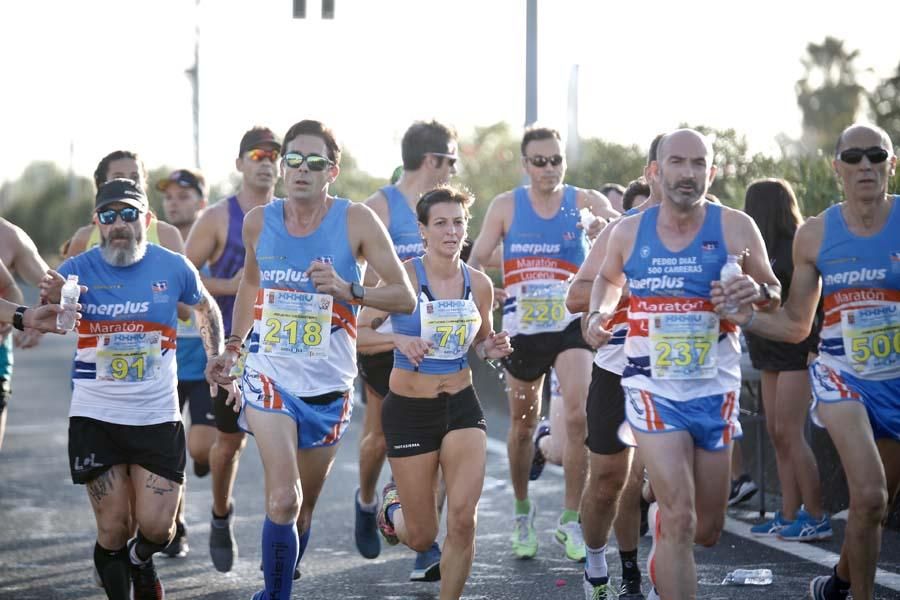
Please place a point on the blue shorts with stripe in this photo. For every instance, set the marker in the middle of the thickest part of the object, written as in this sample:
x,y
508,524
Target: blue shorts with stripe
x,y
321,420
881,398
712,421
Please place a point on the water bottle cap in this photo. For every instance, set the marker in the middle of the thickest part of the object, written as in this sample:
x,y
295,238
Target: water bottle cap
x,y
73,278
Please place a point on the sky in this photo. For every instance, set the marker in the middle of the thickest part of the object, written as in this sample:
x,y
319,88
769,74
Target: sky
x,y
81,79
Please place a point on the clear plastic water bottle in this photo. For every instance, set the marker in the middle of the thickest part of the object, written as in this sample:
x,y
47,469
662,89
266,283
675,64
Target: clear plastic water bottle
x,y
749,577
730,270
69,301
587,217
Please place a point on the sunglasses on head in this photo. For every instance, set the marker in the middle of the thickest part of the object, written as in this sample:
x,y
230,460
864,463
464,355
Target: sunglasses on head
x,y
258,154
451,158
541,161
314,162
128,214
875,154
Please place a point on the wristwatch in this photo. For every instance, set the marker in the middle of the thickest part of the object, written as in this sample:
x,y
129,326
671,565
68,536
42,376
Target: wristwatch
x,y
357,291
766,294
18,320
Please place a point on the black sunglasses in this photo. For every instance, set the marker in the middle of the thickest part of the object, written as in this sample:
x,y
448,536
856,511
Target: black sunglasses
x,y
314,162
128,214
875,154
541,161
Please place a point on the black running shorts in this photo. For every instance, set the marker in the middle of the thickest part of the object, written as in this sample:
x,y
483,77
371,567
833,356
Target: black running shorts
x,y
226,418
200,403
95,446
533,355
375,370
418,425
605,412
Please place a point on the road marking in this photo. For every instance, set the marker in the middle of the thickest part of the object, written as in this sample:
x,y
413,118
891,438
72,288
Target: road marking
x,y
808,552
805,551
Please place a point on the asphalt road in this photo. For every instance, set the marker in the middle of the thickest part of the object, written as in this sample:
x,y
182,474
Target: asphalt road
x,y
47,529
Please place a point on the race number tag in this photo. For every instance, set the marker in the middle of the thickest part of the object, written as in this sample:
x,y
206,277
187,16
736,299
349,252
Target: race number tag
x,y
188,328
683,345
872,340
542,307
128,357
295,323
451,325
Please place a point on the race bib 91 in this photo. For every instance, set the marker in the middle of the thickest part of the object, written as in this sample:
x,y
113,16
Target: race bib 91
x,y
872,340
451,325
295,323
541,307
684,345
128,357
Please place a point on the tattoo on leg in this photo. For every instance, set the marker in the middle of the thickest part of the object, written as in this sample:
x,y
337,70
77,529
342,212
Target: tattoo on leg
x,y
159,485
101,487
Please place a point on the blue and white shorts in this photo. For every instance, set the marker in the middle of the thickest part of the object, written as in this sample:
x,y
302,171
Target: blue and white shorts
x,y
712,420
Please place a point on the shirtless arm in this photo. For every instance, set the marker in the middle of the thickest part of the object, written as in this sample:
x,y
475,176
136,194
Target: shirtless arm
x,y
368,340
488,344
170,237
578,297
373,244
743,235
79,241
205,243
607,286
493,229
209,323
793,321
26,261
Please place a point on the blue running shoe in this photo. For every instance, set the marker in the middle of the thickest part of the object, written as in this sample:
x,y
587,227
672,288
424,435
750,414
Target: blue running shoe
x,y
806,529
428,565
771,527
538,462
366,530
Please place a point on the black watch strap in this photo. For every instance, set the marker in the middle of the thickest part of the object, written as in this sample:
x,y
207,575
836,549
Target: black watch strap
x,y
357,291
18,320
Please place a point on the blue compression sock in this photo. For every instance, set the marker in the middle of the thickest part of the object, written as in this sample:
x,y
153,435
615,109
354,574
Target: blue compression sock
x,y
279,552
304,540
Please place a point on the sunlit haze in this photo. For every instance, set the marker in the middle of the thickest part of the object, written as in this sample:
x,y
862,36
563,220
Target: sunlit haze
x,y
99,75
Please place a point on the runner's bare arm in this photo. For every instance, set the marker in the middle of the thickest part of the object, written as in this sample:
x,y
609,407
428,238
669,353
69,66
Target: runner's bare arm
x,y
170,237
242,316
610,279
578,298
209,323
487,343
203,246
492,231
79,241
26,260
793,321
373,244
743,236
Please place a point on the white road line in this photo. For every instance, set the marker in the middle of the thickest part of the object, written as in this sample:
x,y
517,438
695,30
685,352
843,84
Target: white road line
x,y
809,552
733,526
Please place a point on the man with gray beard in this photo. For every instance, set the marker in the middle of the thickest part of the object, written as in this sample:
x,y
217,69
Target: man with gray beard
x,y
126,438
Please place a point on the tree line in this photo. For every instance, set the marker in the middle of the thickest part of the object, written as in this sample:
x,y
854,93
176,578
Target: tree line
x,y
51,204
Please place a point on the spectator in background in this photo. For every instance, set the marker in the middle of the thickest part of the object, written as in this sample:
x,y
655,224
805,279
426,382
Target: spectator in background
x,y
615,193
635,194
785,383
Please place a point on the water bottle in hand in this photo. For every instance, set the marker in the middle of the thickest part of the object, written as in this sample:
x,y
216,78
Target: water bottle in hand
x,y
748,577
730,270
586,217
69,302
